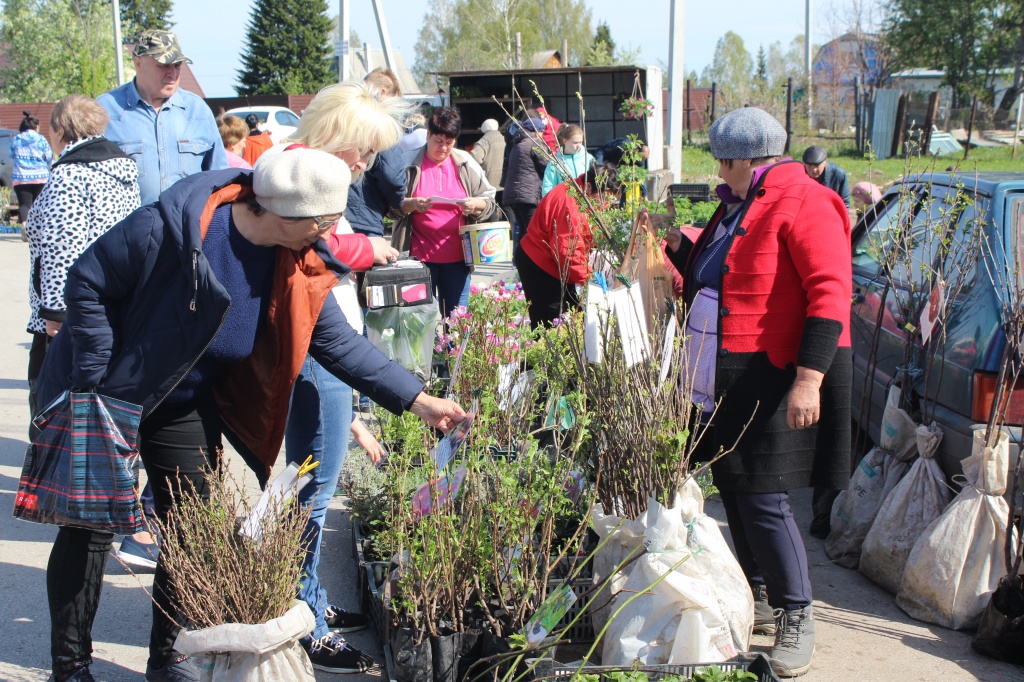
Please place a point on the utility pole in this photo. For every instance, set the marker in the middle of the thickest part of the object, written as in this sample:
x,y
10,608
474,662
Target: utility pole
x,y
342,46
118,47
385,37
807,65
675,90
1016,128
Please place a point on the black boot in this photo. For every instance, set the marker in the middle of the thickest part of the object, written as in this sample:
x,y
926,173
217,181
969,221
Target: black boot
x,y
764,617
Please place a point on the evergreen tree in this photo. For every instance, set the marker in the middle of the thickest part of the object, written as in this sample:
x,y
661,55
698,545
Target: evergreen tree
x,y
287,51
761,75
142,15
603,34
602,50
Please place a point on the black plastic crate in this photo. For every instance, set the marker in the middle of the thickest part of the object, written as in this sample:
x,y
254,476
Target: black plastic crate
x,y
756,664
374,607
694,192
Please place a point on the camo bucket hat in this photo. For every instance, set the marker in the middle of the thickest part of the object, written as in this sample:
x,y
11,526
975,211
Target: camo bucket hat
x,y
160,45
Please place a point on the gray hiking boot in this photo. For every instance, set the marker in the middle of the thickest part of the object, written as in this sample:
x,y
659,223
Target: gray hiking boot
x,y
794,642
764,617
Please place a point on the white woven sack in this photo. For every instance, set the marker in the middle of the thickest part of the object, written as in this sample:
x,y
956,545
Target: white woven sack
x,y
252,653
855,509
958,560
914,503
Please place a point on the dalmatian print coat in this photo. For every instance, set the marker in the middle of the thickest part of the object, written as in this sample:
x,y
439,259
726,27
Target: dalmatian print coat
x,y
92,187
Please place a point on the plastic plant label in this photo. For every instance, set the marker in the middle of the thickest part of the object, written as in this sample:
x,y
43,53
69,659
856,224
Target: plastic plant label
x,y
457,367
447,487
282,489
666,350
550,613
561,416
450,445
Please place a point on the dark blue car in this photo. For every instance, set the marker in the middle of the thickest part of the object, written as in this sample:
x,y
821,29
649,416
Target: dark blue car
x,y
963,375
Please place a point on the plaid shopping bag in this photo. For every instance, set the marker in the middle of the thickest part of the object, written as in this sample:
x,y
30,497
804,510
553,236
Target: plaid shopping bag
x,y
81,469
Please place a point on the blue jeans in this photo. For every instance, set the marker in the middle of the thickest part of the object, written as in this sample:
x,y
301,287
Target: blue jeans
x,y
451,285
319,423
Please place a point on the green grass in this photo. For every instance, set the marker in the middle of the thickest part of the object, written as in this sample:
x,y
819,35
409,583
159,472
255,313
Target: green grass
x,y
700,166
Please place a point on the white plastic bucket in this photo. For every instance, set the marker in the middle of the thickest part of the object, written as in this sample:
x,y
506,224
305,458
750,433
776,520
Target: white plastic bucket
x,y
486,243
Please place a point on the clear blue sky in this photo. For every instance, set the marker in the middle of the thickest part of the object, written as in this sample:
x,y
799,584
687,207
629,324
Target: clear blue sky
x,y
212,33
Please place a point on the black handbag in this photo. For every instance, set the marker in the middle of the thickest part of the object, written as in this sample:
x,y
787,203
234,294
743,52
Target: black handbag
x,y
405,283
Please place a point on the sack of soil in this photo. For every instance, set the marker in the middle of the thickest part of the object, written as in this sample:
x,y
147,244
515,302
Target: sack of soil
x,y
702,611
252,653
958,560
877,474
914,503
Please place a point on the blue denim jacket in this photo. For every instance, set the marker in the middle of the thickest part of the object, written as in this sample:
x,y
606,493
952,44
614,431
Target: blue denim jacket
x,y
179,140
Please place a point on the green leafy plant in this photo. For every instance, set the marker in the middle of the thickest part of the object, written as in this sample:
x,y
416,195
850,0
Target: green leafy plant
x,y
693,213
715,674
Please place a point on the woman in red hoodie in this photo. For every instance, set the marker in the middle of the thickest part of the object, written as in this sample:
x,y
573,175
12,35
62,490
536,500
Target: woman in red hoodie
x,y
552,257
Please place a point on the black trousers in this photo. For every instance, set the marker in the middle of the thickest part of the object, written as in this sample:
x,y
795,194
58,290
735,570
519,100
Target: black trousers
x,y
177,444
524,214
769,547
547,297
27,195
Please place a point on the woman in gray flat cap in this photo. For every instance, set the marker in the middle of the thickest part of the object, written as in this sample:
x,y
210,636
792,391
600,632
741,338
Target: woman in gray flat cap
x,y
767,287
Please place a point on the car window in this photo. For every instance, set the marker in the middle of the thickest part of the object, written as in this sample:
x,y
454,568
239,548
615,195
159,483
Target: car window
x,y
931,216
261,115
876,241
286,118
949,213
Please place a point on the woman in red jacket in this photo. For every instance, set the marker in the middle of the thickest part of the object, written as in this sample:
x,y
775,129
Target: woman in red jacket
x,y
768,286
552,257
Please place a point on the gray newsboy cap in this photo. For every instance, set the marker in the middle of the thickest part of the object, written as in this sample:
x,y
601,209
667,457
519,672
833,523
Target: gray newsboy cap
x,y
747,133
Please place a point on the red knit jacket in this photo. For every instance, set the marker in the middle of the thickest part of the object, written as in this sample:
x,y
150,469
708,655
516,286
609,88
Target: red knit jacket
x,y
787,280
559,237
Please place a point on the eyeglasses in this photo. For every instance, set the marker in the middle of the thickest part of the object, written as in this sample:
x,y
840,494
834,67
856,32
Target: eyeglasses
x,y
325,223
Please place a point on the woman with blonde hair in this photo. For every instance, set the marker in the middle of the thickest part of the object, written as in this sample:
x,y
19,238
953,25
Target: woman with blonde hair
x,y
346,120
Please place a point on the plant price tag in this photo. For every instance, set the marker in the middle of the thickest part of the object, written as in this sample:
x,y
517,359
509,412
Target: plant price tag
x,y
550,613
450,445
447,487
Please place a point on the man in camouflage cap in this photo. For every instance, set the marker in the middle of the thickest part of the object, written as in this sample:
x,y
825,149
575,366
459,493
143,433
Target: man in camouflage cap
x,y
170,133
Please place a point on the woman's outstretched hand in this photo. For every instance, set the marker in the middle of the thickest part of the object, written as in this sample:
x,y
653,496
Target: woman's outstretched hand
x,y
441,414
